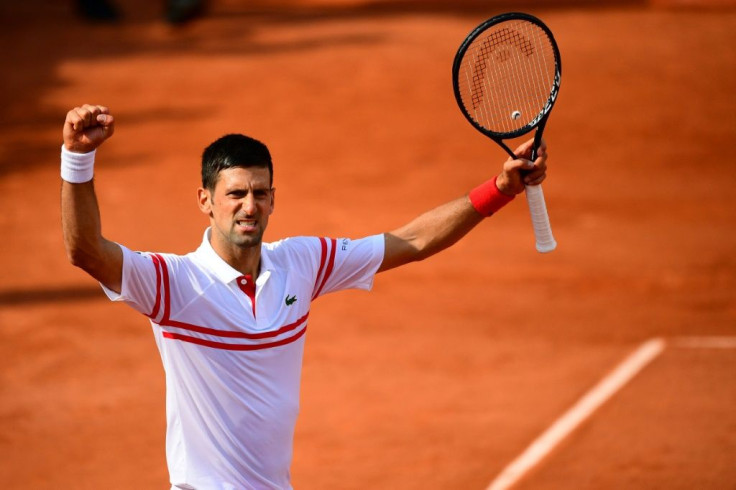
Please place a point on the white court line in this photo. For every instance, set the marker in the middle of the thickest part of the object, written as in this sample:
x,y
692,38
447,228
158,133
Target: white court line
x,y
563,426
704,342
607,387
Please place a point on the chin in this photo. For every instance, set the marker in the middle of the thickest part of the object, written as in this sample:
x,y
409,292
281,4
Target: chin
x,y
248,241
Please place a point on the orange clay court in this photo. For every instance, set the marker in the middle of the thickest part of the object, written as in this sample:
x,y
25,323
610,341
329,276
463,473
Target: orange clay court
x,y
615,354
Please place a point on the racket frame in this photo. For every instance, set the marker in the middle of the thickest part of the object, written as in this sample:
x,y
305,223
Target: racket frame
x,y
540,219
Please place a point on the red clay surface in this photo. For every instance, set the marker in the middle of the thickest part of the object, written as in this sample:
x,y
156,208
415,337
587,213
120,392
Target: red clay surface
x,y
449,368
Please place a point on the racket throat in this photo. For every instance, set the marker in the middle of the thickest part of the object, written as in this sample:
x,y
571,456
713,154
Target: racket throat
x,y
538,138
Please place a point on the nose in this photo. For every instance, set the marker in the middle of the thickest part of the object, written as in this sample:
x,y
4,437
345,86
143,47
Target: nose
x,y
249,204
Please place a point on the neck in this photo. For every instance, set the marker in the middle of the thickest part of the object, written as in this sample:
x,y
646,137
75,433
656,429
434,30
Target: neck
x,y
246,260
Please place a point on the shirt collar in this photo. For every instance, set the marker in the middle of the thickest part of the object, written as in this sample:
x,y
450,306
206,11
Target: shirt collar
x,y
224,271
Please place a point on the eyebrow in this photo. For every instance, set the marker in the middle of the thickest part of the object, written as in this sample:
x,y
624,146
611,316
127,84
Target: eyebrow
x,y
248,189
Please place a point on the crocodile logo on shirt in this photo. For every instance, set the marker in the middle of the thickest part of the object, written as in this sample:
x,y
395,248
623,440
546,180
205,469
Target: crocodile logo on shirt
x,y
290,301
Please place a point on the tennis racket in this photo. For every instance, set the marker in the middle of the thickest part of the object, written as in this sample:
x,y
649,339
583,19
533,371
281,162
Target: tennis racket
x,y
506,76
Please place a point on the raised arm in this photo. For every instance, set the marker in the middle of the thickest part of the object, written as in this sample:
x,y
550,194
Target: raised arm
x,y
85,129
441,227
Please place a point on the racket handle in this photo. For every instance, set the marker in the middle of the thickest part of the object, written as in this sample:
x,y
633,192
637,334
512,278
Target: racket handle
x,y
540,219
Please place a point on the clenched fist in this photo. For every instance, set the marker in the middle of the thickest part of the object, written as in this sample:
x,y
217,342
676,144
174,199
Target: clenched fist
x,y
87,127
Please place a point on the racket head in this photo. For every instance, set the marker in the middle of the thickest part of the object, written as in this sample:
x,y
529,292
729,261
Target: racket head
x,y
506,75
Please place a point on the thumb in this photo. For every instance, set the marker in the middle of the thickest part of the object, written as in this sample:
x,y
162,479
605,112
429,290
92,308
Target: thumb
x,y
107,124
518,165
105,119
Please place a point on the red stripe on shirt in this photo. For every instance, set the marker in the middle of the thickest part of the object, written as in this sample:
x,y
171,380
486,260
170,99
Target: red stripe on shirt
x,y
322,260
167,291
157,305
330,266
241,347
235,334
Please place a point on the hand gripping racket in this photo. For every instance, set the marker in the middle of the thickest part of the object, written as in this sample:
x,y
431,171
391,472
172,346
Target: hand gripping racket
x,y
506,76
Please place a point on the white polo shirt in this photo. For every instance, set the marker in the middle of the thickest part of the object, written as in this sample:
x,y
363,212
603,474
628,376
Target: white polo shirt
x,y
232,350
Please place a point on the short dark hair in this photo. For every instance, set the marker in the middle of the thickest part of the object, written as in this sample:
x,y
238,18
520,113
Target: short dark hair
x,y
233,150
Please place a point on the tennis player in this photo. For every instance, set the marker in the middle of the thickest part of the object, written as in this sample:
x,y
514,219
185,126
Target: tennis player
x,y
229,318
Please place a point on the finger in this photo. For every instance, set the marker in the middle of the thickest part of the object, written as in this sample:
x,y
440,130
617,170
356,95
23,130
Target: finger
x,y
107,124
518,165
105,119
90,114
84,118
541,161
73,119
92,108
542,147
525,149
540,165
535,181
534,175
539,171
528,144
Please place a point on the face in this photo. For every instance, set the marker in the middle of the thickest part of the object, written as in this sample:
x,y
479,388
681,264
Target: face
x,y
239,206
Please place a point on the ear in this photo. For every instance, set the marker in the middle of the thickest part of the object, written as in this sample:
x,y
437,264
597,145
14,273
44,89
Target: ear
x,y
273,200
204,200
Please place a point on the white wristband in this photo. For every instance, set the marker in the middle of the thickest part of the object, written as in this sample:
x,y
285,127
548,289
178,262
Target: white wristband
x,y
77,167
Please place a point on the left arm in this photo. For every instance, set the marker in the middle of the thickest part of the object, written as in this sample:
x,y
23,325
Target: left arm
x,y
443,226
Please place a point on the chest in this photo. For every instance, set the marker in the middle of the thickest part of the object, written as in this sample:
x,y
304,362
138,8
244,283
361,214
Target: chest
x,y
277,301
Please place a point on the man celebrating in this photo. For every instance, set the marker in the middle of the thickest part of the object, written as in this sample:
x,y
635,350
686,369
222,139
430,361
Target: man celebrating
x,y
229,318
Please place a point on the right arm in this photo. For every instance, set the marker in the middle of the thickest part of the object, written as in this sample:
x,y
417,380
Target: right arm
x,y
85,129
441,227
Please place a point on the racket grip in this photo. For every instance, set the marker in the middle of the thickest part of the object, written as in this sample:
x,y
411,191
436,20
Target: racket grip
x,y
540,219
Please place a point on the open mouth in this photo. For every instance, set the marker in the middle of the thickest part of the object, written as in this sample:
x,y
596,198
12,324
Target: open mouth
x,y
247,225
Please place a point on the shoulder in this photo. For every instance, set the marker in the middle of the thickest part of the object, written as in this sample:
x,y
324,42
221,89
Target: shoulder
x,y
298,244
295,248
165,263
169,259
293,251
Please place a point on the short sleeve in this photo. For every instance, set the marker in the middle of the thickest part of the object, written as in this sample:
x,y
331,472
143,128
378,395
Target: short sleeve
x,y
348,264
141,285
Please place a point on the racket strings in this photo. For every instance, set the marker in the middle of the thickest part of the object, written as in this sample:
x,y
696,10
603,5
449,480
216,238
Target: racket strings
x,y
507,75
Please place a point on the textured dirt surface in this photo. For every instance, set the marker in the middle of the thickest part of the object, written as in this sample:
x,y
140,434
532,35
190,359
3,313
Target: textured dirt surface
x,y
449,368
